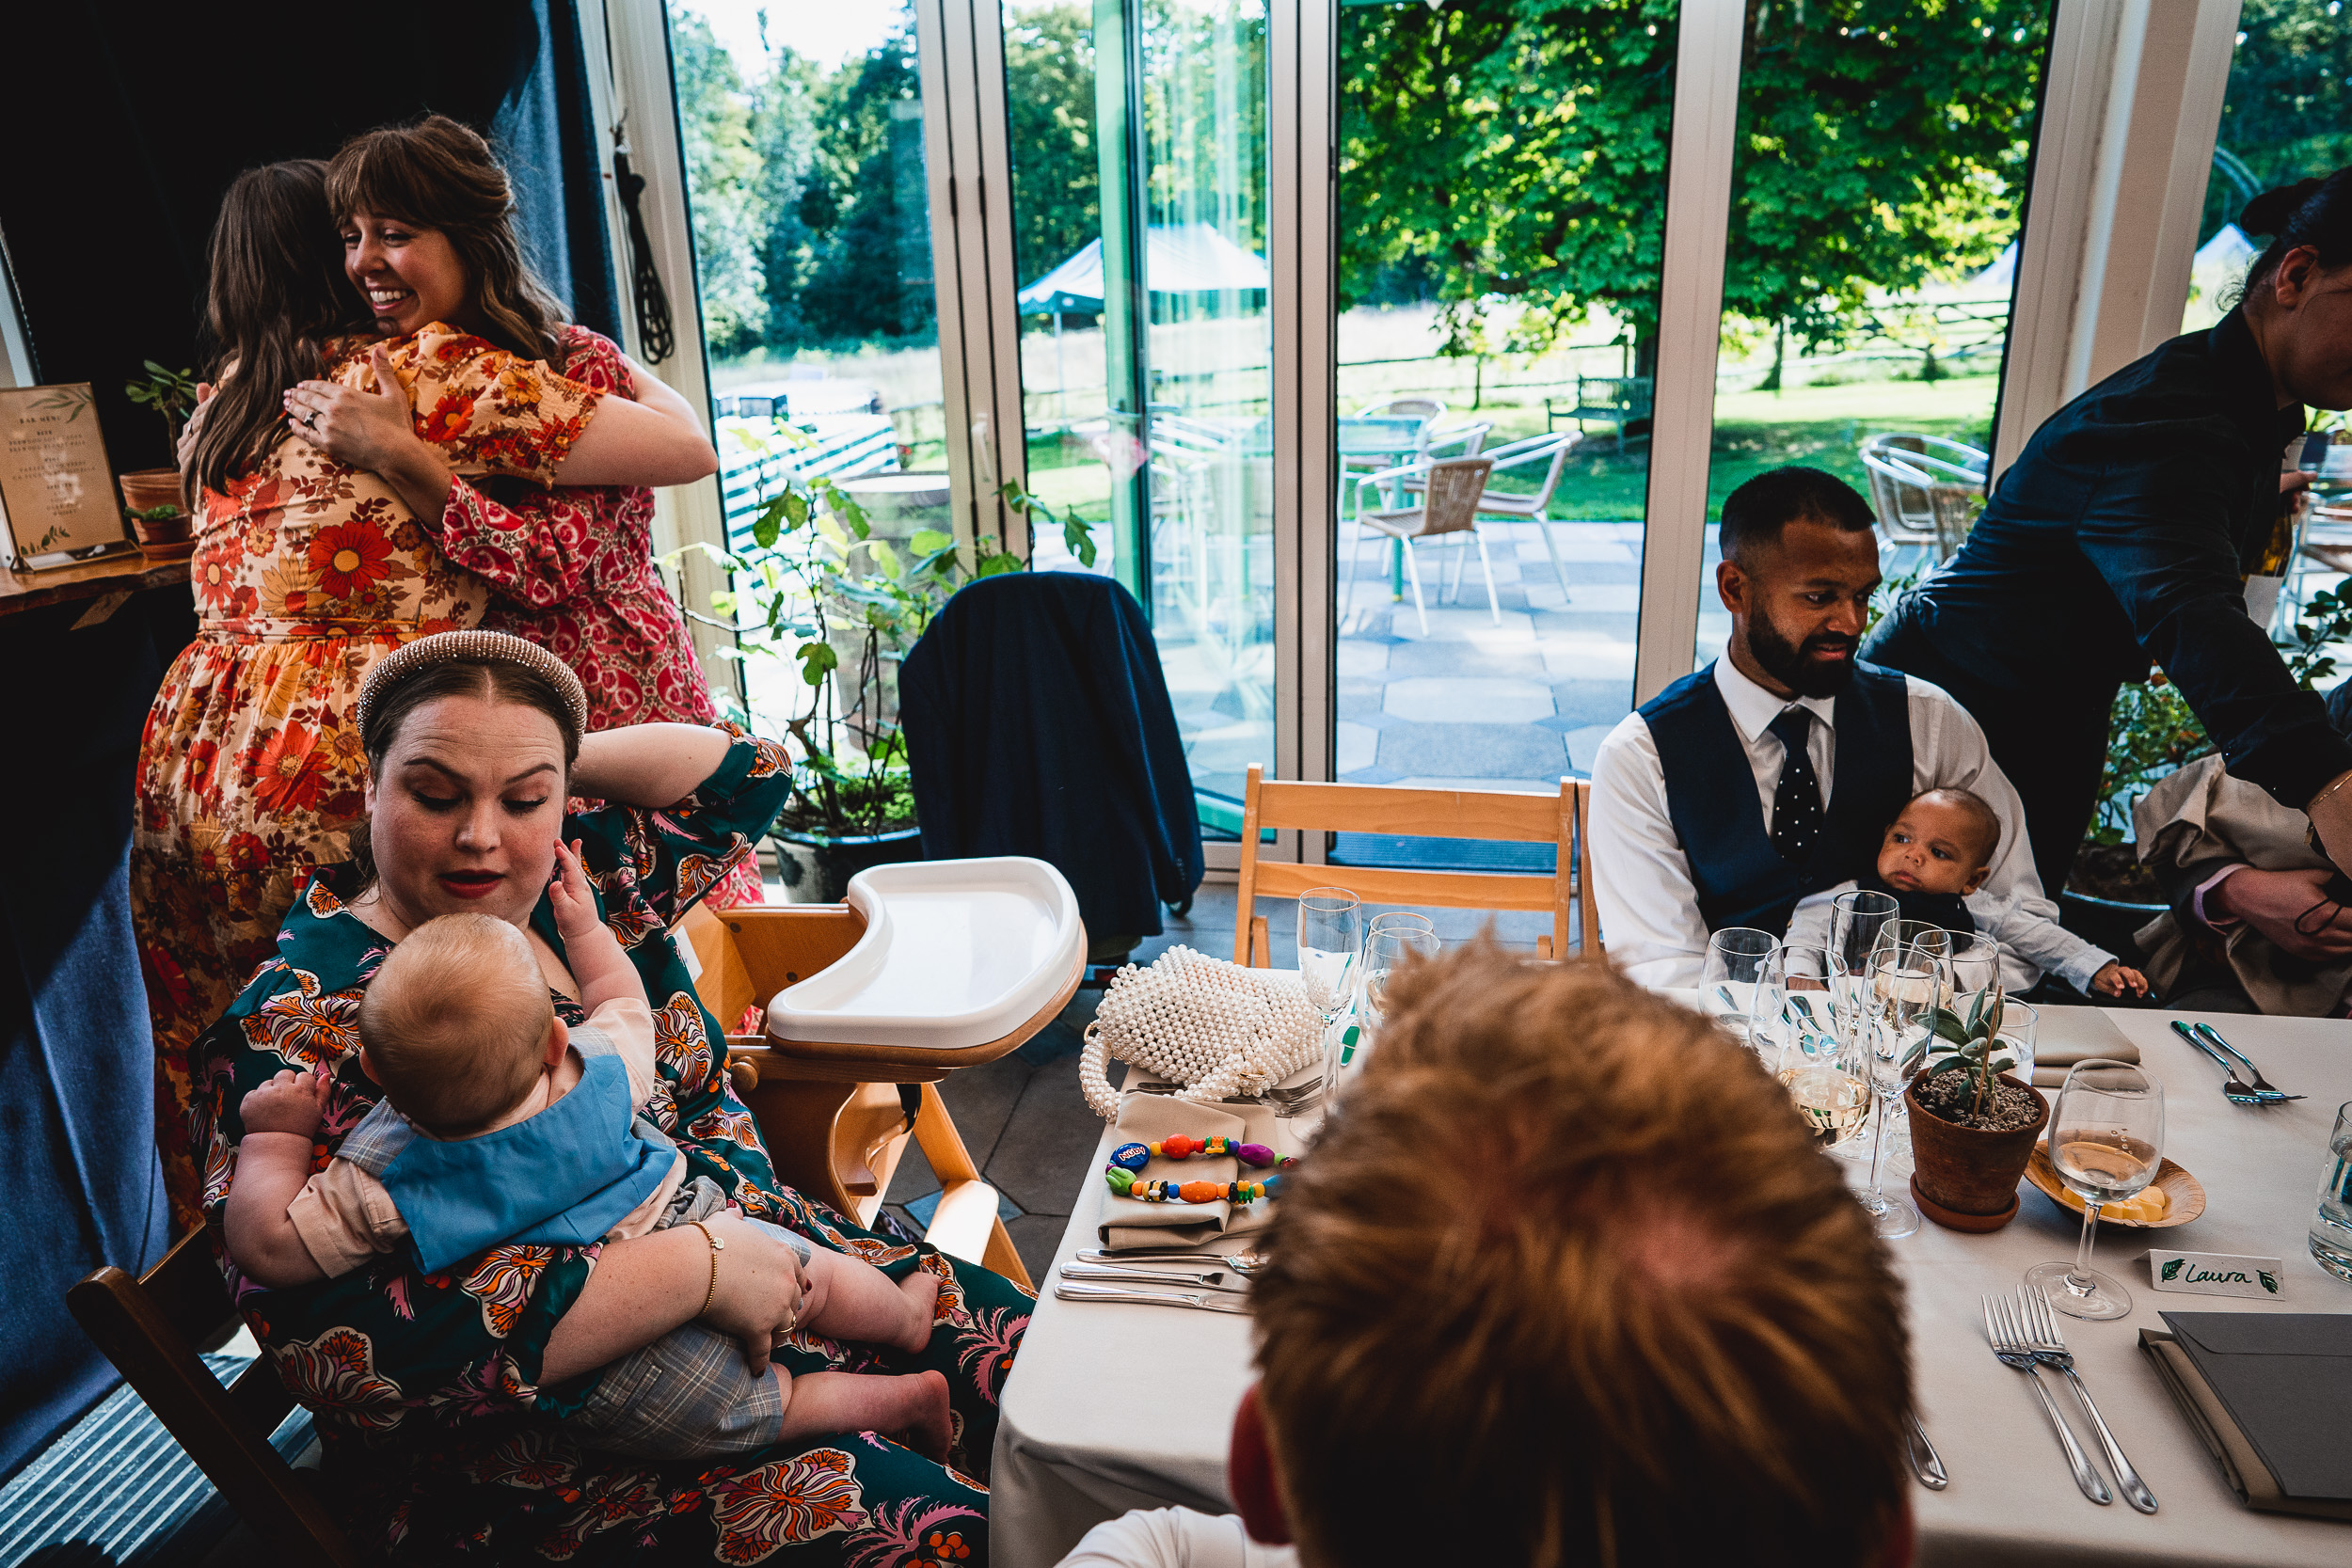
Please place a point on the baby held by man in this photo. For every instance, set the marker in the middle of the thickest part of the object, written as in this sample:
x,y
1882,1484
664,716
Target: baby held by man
x,y
500,1125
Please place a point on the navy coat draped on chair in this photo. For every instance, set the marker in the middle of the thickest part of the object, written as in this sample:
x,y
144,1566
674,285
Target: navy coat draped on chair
x,y
1038,724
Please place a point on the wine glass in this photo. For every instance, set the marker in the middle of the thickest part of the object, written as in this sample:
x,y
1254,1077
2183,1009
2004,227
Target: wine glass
x,y
1890,1036
1387,918
2106,1139
1897,935
1793,1019
1734,959
1386,949
1855,920
1331,934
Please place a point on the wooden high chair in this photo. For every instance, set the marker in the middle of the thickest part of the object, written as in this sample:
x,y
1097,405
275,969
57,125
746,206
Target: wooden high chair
x,y
1527,818
836,1118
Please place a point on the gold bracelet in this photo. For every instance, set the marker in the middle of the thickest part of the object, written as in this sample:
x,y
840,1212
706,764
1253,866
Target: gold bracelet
x,y
717,1246
2341,779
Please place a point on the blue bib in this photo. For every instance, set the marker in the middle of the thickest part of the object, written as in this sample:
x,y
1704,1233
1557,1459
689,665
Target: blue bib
x,y
563,1177
1710,796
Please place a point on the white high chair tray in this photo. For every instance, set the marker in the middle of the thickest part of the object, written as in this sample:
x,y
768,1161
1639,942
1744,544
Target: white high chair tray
x,y
955,953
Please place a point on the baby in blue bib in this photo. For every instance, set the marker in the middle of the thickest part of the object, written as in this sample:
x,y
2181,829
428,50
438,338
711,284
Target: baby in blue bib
x,y
500,1127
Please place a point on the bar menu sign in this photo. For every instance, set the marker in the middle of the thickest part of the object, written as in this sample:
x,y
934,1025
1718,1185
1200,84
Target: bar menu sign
x,y
57,490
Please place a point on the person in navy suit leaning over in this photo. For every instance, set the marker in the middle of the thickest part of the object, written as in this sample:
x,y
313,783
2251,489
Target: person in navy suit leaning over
x,y
1773,773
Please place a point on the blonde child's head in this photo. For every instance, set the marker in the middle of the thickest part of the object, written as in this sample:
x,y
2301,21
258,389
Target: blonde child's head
x,y
455,1024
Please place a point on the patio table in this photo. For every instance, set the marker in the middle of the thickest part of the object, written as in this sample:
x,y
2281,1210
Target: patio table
x,y
1111,1407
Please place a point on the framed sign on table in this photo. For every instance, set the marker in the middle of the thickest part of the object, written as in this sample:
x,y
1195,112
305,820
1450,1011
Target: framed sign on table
x,y
57,499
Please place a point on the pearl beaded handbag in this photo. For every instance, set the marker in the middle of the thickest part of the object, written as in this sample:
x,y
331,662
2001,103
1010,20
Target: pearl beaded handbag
x,y
1216,1028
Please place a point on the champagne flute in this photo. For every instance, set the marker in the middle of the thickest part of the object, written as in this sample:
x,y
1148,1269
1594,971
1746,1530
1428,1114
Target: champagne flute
x,y
1855,920
1735,960
2106,1139
1385,950
1906,985
1331,934
1793,1020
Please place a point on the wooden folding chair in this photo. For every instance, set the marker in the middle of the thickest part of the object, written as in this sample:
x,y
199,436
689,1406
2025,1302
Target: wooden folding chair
x,y
149,1327
1555,820
836,1118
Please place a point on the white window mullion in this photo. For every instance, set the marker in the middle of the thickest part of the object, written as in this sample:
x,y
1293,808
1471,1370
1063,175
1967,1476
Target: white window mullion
x,y
1690,327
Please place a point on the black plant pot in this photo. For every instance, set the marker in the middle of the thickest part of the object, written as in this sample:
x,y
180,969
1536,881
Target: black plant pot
x,y
2107,922
817,868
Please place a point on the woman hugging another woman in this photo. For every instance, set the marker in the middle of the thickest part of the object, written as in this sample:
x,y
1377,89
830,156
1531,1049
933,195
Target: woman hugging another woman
x,y
343,488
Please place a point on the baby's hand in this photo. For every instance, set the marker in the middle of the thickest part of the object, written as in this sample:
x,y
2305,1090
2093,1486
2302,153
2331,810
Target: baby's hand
x,y
2113,979
575,902
289,1102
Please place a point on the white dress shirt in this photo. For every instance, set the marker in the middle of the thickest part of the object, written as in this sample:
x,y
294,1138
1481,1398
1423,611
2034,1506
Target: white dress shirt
x,y
1649,908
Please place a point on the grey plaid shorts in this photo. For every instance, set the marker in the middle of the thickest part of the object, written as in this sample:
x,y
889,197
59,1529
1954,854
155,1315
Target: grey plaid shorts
x,y
689,1394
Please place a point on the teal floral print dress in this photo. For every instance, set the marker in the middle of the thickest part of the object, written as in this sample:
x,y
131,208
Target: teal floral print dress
x,y
440,1441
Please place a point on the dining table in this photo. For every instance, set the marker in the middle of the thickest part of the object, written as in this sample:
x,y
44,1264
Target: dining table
x,y
1112,1406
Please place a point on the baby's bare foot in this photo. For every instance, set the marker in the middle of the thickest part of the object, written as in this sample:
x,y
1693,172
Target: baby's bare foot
x,y
921,1288
927,1431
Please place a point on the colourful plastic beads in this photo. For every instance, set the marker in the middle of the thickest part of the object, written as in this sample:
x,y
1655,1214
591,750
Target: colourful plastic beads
x,y
1181,1146
1125,1185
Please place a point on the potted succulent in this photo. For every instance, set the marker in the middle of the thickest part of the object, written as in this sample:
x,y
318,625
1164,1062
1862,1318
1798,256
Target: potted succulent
x,y
150,496
1973,1126
820,588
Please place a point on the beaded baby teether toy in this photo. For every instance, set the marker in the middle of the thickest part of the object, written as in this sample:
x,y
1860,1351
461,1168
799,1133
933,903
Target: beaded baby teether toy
x,y
1134,1156
1125,1185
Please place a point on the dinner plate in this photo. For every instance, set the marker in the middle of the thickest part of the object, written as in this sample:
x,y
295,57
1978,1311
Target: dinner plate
x,y
2184,1193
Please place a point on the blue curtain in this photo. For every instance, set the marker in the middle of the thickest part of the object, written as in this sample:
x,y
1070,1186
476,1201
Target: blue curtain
x,y
77,1121
548,137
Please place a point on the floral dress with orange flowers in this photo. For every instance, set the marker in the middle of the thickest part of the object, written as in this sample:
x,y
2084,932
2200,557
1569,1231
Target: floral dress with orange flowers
x,y
574,571
305,572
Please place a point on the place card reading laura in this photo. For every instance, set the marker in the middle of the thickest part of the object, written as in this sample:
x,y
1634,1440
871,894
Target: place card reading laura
x,y
2214,1274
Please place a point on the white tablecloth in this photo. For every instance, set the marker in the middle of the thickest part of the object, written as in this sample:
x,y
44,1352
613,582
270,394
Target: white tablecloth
x,y
1111,1407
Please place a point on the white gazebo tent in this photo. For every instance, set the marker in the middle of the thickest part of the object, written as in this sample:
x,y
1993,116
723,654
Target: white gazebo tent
x,y
1179,259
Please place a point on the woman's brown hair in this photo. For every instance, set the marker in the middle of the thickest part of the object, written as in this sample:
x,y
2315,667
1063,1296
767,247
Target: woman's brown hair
x,y
437,174
276,294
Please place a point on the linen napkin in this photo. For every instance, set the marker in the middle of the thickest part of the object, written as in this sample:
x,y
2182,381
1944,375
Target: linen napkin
x,y
2069,1034
1147,1118
2265,1393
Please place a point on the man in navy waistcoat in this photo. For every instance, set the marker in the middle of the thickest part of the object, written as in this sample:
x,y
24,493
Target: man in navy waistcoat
x,y
1773,773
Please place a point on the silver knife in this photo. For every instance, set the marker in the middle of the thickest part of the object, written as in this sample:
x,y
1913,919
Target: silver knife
x,y
1213,1279
1203,1300
1164,1255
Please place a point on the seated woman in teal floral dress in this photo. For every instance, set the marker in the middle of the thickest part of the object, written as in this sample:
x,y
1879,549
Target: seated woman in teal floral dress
x,y
437,1395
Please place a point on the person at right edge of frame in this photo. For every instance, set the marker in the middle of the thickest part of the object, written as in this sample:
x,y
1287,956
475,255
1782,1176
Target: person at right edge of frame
x,y
2124,534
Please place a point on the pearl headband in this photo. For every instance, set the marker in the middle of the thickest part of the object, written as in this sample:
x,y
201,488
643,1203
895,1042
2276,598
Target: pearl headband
x,y
470,648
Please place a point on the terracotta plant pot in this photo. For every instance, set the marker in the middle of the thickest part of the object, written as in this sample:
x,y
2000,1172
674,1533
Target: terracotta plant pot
x,y
1970,1173
163,532
145,489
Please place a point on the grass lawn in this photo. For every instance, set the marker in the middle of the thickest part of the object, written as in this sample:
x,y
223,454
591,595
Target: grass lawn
x,y
1823,426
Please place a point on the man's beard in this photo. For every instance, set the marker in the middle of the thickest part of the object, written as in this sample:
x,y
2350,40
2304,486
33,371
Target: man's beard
x,y
1791,663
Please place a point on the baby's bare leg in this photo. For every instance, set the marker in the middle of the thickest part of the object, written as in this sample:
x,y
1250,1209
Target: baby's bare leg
x,y
850,1299
911,1409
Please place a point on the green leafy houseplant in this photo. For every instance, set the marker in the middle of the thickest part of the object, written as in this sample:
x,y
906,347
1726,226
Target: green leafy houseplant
x,y
171,393
820,589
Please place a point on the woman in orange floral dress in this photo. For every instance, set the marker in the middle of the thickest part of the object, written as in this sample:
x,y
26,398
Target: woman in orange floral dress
x,y
428,236
306,571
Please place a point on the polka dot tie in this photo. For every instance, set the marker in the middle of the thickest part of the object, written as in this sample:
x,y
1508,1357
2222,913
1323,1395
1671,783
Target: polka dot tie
x,y
1796,801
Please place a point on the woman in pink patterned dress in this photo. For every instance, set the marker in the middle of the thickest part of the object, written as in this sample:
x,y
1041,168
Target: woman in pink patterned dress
x,y
428,236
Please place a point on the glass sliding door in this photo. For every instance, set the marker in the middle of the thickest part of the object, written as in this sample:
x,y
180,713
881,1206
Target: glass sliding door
x,y
1878,190
1501,173
802,132
1139,207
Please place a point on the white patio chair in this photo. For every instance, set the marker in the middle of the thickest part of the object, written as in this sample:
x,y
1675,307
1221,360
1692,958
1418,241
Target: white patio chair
x,y
1926,490
1450,491
1530,505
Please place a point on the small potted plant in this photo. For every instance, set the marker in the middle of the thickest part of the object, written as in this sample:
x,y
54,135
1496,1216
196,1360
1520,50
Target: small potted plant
x,y
150,496
820,588
1973,1126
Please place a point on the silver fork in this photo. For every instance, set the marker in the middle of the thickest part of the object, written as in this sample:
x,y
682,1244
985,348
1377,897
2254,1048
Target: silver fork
x,y
2009,1348
2238,1093
1240,1262
2263,1089
2049,1348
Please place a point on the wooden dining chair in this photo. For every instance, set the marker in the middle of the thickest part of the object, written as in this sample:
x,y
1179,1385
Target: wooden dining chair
x,y
1524,819
836,1118
149,1326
